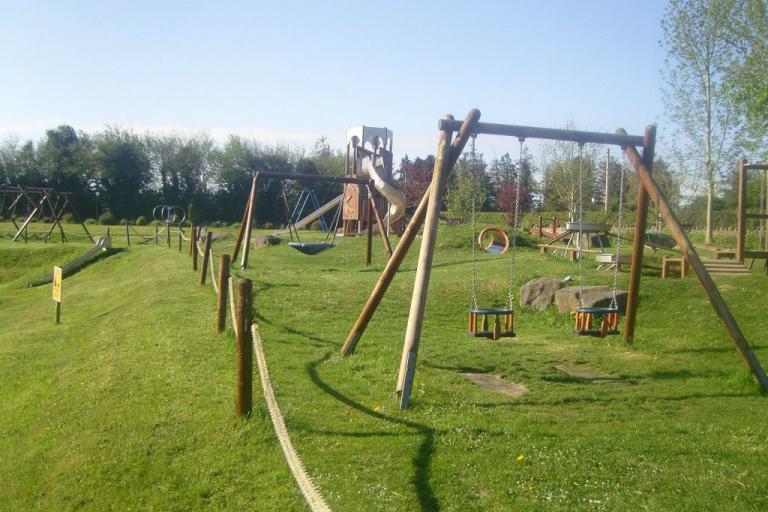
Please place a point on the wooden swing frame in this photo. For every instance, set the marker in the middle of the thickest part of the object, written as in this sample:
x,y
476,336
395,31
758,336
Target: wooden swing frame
x,y
428,214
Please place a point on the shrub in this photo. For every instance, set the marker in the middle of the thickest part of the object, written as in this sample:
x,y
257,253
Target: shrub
x,y
68,218
267,225
316,226
89,221
235,225
216,224
156,223
107,219
141,220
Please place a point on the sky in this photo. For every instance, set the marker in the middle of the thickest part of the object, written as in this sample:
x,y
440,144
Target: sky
x,y
292,71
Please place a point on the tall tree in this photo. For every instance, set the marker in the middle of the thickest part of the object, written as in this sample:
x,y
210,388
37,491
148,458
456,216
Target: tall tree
x,y
749,86
122,171
568,177
699,65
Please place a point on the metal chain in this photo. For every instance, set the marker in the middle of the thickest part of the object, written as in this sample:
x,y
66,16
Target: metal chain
x,y
515,226
614,302
580,215
473,299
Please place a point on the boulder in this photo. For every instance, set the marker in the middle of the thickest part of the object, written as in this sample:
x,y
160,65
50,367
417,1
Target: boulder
x,y
540,293
263,241
567,299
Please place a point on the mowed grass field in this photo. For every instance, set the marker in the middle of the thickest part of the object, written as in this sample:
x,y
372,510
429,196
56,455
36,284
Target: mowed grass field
x,y
129,404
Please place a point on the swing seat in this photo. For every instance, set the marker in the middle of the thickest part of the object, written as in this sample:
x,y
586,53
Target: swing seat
x,y
587,321
310,248
503,324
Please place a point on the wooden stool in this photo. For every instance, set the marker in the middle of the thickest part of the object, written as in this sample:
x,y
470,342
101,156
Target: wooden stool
x,y
667,262
503,324
587,319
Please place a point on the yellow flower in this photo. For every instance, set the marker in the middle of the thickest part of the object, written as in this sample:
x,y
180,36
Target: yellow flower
x,y
376,408
520,457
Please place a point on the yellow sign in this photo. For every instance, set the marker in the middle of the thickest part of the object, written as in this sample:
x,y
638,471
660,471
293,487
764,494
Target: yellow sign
x,y
57,284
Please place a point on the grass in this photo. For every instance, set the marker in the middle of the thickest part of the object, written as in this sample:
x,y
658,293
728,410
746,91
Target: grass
x,y
129,403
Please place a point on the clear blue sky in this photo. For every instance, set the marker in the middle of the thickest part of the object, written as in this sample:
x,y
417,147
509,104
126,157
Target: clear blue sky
x,y
295,70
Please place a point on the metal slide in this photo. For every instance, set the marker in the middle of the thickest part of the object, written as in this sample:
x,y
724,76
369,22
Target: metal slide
x,y
390,193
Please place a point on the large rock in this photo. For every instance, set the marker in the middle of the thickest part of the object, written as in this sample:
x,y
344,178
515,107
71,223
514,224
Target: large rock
x,y
263,241
567,299
540,293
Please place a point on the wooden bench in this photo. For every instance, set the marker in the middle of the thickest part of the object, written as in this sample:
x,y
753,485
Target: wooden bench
x,y
668,262
607,260
724,253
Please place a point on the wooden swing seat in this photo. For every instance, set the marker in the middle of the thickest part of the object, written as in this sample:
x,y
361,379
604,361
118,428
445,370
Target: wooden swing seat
x,y
310,248
588,318
503,324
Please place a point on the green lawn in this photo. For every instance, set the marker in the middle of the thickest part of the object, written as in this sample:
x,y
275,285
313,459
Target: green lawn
x,y
129,403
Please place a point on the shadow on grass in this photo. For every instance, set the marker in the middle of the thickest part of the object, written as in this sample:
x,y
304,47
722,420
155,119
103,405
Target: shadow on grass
x,y
98,257
421,460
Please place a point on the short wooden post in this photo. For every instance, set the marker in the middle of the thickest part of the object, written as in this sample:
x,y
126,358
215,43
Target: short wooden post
x,y
540,231
206,257
156,233
244,348
127,234
108,236
221,304
194,248
191,239
168,236
741,209
180,239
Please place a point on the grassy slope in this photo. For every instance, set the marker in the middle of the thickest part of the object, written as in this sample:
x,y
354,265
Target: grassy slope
x,y
130,401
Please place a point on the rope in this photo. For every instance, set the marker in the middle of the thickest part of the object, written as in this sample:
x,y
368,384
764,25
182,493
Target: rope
x,y
213,275
308,489
232,309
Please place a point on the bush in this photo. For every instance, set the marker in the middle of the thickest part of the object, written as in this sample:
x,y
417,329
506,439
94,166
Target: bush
x,y
267,225
68,218
90,221
107,219
216,224
235,225
141,221
316,226
156,223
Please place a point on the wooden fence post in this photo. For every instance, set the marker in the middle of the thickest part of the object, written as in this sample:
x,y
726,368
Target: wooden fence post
x,y
206,257
180,239
194,247
244,348
369,236
168,235
221,305
156,230
127,234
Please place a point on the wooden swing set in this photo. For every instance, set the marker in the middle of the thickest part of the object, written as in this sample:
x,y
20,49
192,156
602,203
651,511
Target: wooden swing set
x,y
427,214
40,203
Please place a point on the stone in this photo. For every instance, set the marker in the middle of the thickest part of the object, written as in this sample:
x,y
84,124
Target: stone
x,y
539,294
265,240
567,299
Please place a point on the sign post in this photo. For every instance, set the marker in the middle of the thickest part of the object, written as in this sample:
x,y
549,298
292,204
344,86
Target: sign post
x,y
57,277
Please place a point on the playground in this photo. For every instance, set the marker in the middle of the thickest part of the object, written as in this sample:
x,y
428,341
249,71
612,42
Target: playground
x,y
136,399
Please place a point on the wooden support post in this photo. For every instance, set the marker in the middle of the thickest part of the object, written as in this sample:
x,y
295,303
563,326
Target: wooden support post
x,y
540,231
127,234
245,227
690,254
244,348
58,313
741,210
195,231
156,233
221,303
380,223
108,236
641,218
424,268
409,235
180,239
241,232
369,234
168,235
206,257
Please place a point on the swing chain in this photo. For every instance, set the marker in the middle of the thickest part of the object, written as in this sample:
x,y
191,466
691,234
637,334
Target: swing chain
x,y
473,300
515,227
614,302
580,214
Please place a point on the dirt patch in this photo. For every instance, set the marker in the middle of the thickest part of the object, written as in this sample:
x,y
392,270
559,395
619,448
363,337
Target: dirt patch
x,y
495,383
587,373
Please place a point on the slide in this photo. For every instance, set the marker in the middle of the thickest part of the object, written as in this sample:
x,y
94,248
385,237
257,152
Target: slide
x,y
390,193
330,205
104,243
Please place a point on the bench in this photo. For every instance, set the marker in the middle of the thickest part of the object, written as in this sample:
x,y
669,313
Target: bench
x,y
668,262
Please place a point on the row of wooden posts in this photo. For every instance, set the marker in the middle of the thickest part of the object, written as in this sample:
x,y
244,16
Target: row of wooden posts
x,y
242,311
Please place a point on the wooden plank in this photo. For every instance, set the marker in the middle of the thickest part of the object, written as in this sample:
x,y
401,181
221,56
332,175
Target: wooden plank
x,y
741,195
533,132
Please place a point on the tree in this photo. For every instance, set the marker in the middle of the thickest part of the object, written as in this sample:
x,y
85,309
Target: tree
x,y
748,86
568,177
65,159
122,171
414,178
469,186
699,65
